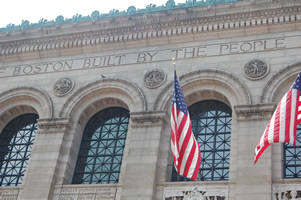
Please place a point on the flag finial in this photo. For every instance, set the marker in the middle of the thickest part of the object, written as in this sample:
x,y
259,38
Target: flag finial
x,y
174,63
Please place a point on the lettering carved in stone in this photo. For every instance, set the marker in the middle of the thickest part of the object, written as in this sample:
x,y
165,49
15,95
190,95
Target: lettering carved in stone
x,y
154,78
9,194
63,86
88,194
256,69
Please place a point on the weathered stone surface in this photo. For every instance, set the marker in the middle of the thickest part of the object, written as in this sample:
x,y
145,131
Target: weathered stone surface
x,y
126,62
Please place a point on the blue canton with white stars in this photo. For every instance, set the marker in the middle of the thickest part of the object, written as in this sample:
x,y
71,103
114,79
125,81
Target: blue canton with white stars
x,y
178,97
297,83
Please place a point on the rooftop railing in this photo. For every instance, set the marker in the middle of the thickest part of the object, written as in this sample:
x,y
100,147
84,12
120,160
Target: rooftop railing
x,y
132,10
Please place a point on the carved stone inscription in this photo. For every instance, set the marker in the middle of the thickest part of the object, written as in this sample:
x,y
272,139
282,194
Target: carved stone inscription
x,y
252,46
148,56
9,194
88,194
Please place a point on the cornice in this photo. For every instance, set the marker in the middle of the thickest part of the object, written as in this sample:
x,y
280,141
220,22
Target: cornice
x,y
253,111
197,21
130,13
153,117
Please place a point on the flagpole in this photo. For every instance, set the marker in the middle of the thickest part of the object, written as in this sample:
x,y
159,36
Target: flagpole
x,y
192,157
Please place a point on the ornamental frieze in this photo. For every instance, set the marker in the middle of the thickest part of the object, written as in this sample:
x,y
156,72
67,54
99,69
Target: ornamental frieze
x,y
195,193
141,30
124,59
286,192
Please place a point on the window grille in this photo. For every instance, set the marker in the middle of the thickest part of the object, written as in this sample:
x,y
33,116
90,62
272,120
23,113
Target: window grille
x,y
292,157
16,142
211,124
100,155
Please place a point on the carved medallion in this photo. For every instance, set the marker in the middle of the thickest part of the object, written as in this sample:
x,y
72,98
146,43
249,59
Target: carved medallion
x,y
63,86
256,69
154,78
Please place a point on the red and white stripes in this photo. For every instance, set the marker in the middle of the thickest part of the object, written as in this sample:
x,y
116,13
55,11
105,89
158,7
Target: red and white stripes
x,y
283,124
185,148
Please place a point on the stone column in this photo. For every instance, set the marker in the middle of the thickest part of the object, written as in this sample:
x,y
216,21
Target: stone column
x,y
145,133
251,122
40,174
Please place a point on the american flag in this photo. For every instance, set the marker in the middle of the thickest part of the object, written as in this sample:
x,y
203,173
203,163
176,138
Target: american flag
x,y
283,124
184,146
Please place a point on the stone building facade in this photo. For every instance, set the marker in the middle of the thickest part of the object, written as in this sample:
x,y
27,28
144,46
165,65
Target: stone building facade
x,y
242,55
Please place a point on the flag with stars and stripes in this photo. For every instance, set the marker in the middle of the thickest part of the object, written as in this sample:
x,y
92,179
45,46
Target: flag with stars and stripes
x,y
283,124
184,146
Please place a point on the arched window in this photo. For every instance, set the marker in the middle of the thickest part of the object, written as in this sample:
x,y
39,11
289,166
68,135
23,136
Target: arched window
x,y
292,157
100,155
16,142
211,124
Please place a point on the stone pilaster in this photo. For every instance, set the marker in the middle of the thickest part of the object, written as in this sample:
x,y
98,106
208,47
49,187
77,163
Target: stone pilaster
x,y
251,121
143,151
41,172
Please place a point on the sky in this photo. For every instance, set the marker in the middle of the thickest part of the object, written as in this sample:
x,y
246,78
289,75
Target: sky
x,y
14,11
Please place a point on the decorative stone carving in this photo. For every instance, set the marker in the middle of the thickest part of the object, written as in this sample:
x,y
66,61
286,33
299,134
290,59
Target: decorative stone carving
x,y
287,192
256,69
57,123
196,193
63,86
154,117
254,111
154,78
226,19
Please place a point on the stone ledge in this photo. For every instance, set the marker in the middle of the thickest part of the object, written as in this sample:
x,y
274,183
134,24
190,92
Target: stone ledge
x,y
10,193
254,111
195,24
97,192
196,192
55,123
152,117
